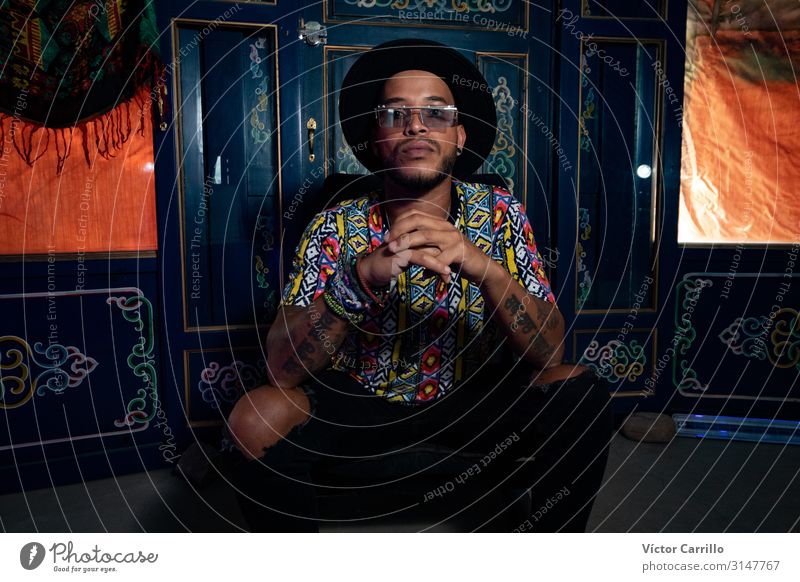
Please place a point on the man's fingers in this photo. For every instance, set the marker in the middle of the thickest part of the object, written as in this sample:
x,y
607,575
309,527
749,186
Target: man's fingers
x,y
400,262
430,262
424,257
413,214
453,254
431,250
417,221
425,238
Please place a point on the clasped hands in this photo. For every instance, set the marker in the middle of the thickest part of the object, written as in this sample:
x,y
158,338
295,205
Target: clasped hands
x,y
421,239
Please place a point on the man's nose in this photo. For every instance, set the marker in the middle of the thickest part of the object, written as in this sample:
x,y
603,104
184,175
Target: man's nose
x,y
415,125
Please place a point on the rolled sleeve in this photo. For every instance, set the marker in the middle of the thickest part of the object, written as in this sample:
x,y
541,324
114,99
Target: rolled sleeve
x,y
314,261
521,258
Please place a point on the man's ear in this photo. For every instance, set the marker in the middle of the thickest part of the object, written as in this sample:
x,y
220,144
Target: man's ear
x,y
461,136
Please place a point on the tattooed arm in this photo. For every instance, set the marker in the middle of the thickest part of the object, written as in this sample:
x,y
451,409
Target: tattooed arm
x,y
301,341
534,327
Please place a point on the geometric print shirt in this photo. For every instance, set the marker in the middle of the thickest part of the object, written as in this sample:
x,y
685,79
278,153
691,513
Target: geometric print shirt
x,y
430,335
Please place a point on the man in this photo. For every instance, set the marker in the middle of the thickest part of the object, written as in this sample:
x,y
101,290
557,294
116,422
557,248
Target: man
x,y
400,305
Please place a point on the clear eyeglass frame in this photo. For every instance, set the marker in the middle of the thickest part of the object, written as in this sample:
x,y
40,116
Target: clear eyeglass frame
x,y
434,117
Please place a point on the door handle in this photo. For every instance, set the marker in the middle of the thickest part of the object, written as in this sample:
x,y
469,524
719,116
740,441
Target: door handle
x,y
311,126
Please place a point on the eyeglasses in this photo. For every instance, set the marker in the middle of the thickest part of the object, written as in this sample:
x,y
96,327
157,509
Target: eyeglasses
x,y
436,117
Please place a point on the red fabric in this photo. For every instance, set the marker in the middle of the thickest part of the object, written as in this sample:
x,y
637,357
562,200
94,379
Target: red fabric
x,y
740,165
109,206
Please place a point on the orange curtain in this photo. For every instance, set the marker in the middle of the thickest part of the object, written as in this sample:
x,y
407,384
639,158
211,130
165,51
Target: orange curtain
x,y
740,165
109,206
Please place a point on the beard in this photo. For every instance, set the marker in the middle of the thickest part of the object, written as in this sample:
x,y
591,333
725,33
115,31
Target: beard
x,y
421,180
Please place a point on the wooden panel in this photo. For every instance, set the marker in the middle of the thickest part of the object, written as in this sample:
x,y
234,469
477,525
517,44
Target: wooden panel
x,y
230,173
736,337
68,389
619,129
507,76
506,16
338,153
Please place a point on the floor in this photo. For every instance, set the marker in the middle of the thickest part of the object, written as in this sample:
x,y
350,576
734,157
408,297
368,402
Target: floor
x,y
686,485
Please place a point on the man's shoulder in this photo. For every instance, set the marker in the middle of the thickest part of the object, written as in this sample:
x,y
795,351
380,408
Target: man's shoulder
x,y
352,204
498,198
341,210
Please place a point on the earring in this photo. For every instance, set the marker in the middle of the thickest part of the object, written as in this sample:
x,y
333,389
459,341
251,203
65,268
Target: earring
x,y
459,151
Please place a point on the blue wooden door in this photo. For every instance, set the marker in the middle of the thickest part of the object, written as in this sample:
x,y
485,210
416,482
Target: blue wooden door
x,y
693,327
610,210
510,42
225,163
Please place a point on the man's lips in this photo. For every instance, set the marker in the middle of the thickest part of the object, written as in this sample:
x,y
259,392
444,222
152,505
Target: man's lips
x,y
417,148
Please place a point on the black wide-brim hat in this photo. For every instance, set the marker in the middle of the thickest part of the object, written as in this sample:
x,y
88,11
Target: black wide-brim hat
x,y
362,85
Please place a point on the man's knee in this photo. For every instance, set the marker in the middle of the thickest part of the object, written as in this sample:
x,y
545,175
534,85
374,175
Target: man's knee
x,y
575,387
264,415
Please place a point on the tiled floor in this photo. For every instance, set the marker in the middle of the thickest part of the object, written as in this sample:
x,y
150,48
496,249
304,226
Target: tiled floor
x,y
688,485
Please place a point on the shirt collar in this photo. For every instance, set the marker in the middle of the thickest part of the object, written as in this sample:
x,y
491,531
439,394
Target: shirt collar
x,y
456,207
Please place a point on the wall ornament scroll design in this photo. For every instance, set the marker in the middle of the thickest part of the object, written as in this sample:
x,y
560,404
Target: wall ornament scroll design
x,y
615,361
438,6
585,282
501,158
588,106
747,337
259,111
265,228
227,383
56,368
139,311
688,294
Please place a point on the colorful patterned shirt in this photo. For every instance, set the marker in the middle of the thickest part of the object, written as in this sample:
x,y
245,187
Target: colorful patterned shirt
x,y
430,334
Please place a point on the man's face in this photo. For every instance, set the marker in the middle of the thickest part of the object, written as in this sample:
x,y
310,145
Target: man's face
x,y
416,156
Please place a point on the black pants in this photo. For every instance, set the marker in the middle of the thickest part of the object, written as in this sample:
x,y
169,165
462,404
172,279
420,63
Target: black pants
x,y
565,426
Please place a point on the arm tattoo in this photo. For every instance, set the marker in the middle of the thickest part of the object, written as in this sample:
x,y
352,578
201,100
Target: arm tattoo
x,y
547,319
304,350
540,348
520,315
327,321
513,304
291,366
527,322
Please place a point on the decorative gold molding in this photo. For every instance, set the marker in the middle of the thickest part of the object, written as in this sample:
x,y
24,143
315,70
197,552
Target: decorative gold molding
x,y
662,16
